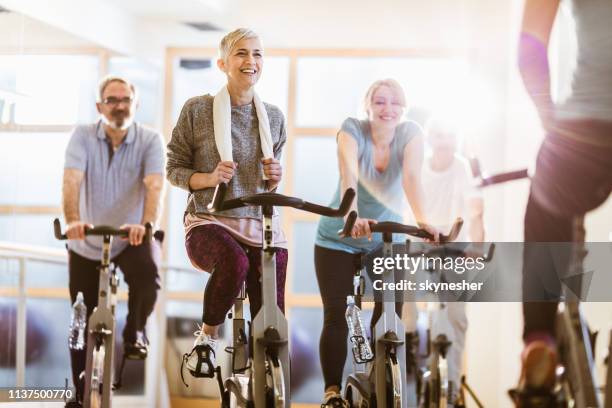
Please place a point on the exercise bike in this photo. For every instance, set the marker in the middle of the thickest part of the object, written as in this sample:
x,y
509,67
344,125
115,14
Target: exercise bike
x,y
576,384
260,362
101,326
382,384
434,388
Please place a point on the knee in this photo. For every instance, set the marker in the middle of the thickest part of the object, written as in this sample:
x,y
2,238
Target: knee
x,y
333,317
149,275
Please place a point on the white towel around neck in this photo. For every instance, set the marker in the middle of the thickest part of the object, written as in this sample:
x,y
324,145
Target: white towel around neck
x,y
222,123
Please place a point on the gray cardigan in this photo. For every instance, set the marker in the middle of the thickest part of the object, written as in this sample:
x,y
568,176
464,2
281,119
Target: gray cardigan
x,y
192,149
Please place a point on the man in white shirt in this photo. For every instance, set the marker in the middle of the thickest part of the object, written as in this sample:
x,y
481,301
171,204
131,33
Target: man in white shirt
x,y
449,193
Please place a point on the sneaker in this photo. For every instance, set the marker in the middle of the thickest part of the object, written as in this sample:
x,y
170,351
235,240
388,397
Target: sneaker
x,y
73,403
137,349
201,360
334,400
539,366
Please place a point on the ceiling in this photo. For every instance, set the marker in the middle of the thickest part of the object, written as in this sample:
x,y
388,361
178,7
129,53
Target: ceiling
x,y
148,27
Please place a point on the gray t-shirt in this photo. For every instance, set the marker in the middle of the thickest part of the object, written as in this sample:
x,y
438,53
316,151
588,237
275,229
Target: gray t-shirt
x,y
112,192
591,95
193,149
380,195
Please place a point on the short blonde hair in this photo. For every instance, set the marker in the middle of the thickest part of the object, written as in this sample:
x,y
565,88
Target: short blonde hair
x,y
107,80
389,82
230,40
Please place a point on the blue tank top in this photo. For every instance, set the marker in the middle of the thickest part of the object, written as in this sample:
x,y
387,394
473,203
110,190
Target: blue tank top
x,y
380,195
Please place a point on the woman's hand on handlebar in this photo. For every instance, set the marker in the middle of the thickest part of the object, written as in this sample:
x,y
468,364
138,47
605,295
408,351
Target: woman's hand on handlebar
x,y
136,233
76,229
361,228
272,169
432,230
223,173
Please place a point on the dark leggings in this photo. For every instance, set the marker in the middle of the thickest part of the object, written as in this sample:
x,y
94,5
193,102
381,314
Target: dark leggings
x,y
572,177
335,270
230,263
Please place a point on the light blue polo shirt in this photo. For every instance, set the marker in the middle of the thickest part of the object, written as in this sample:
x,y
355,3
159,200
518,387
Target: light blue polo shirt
x,y
380,195
112,191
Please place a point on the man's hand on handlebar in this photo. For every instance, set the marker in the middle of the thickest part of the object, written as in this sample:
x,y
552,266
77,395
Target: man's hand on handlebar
x,y
136,233
76,229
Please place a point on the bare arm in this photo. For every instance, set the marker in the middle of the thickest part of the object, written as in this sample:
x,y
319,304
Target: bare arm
x,y
348,164
349,174
71,189
154,187
476,212
411,177
538,19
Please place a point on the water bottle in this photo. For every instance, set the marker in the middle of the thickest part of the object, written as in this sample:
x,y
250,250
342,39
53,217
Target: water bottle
x,y
78,320
362,352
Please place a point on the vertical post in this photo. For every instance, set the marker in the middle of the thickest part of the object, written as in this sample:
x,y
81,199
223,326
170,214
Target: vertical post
x,y
20,347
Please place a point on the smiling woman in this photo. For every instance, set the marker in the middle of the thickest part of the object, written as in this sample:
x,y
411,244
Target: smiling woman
x,y
234,138
380,158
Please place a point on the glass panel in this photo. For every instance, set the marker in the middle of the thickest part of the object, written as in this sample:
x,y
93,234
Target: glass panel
x,y
194,77
177,202
47,358
306,376
29,229
316,169
8,333
58,89
273,86
201,76
146,79
344,81
46,275
9,272
31,168
303,273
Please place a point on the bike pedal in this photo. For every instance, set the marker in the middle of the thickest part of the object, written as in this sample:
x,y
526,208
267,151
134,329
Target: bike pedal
x,y
533,398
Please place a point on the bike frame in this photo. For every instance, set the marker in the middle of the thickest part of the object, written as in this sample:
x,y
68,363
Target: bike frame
x,y
269,330
101,334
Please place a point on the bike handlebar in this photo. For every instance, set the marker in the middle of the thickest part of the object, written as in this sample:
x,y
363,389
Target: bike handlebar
x,y
496,178
444,251
278,200
504,177
395,227
102,230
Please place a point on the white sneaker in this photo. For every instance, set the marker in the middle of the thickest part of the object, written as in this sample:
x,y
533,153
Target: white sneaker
x,y
201,360
334,400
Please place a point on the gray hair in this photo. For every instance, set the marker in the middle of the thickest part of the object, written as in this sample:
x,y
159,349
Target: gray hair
x,y
230,40
107,80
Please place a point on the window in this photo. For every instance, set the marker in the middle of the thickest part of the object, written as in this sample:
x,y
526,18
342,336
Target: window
x,y
57,89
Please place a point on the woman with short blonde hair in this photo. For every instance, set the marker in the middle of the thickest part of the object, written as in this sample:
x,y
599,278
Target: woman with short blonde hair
x,y
234,138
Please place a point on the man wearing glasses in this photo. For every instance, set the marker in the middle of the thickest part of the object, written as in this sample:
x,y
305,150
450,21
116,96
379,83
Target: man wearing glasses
x,y
113,175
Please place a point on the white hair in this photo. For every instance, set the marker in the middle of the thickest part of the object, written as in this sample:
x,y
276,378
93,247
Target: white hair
x,y
231,39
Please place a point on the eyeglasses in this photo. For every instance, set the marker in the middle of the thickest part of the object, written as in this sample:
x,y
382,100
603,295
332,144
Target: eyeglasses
x,y
112,101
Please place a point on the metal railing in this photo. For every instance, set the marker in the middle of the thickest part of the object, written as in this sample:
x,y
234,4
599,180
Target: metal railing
x,y
22,254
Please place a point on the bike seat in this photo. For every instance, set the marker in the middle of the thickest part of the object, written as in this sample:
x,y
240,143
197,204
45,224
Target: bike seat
x,y
391,339
272,339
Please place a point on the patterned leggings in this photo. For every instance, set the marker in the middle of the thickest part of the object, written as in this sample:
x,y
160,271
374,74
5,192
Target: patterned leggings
x,y
230,263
